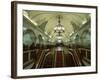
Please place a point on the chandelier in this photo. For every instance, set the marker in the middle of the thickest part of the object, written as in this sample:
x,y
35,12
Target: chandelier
x,y
59,27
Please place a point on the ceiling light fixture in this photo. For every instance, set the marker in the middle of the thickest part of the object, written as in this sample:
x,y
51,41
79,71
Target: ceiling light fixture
x,y
59,27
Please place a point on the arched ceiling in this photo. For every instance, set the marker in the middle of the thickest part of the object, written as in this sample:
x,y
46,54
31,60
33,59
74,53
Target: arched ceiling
x,y
71,21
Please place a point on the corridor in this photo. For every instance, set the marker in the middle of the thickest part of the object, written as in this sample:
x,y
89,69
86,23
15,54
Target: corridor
x,y
50,57
56,39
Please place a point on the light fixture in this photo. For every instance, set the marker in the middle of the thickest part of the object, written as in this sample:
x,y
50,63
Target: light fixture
x,y
59,27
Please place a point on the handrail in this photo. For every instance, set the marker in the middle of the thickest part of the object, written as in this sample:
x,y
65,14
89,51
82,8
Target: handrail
x,y
33,50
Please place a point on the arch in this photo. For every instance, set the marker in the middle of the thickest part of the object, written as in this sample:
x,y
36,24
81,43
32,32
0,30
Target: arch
x,y
28,37
86,38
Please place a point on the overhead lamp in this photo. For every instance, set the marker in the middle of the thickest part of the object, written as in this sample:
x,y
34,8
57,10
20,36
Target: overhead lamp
x,y
59,27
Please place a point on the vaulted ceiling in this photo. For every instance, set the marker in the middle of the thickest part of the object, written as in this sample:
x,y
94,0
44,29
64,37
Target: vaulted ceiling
x,y
72,22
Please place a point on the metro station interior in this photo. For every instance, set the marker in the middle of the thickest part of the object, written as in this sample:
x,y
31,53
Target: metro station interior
x,y
56,39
